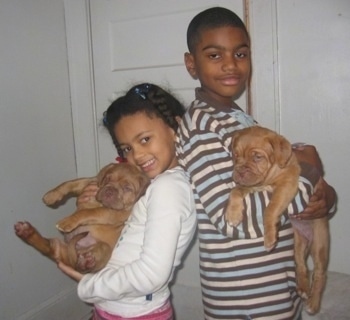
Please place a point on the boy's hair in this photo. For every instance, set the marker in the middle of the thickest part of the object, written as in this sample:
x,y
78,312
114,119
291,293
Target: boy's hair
x,y
148,98
211,18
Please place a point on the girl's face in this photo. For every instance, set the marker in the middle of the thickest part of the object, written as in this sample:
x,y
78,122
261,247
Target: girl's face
x,y
147,142
221,62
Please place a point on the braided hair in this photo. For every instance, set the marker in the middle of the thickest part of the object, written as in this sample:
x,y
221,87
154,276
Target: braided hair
x,y
144,97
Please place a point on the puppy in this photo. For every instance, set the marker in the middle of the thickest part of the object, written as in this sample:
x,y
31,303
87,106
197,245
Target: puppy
x,y
92,231
264,160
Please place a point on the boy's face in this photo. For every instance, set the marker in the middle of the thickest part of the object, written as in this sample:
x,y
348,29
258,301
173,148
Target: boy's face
x,y
221,62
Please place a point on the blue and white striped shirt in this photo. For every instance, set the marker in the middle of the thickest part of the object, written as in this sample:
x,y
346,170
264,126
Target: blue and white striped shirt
x,y
239,278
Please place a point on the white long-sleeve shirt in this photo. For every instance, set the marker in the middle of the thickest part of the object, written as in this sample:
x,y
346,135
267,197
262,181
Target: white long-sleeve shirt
x,y
153,241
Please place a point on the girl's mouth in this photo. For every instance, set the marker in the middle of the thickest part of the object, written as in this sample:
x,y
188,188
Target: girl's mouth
x,y
147,165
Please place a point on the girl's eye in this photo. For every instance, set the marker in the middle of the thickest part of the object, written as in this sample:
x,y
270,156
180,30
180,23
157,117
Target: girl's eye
x,y
126,150
145,140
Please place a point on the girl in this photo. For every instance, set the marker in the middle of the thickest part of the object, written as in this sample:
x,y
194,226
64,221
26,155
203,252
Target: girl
x,y
135,283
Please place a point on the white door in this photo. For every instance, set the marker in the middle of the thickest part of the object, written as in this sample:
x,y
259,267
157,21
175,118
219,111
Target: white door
x,y
141,41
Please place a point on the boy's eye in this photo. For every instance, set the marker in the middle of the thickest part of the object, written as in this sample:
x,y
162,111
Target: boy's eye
x,y
241,55
214,56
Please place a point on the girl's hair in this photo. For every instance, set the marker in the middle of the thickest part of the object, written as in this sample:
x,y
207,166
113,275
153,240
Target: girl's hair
x,y
148,98
211,18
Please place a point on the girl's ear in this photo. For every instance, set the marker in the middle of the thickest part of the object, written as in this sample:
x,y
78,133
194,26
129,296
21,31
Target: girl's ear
x,y
190,65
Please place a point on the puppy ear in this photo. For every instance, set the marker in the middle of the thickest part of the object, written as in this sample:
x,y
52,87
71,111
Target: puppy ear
x,y
144,182
234,137
282,150
101,175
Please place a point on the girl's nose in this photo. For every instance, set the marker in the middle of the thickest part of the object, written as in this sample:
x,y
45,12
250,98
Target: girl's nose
x,y
137,153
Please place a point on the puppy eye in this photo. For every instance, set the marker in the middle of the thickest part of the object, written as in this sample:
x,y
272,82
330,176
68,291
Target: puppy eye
x,y
234,156
127,188
257,157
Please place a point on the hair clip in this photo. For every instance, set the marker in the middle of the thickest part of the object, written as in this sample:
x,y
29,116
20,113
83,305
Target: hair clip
x,y
121,159
142,90
104,119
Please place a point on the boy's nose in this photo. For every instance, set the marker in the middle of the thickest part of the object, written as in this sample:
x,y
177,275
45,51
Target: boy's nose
x,y
229,64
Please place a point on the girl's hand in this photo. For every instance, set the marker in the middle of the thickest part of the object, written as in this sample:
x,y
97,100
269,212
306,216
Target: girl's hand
x,y
75,275
88,193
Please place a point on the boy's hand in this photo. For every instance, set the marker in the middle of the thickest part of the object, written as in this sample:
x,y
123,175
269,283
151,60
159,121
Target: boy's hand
x,y
324,196
75,275
308,153
320,202
88,193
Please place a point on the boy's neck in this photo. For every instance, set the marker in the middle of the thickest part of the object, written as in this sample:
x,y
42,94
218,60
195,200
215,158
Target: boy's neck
x,y
202,95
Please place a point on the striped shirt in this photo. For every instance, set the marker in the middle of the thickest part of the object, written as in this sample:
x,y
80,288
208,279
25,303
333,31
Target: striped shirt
x,y
239,278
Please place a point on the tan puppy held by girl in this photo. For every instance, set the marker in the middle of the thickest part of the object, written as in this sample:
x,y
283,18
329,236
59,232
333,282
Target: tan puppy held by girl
x,y
92,231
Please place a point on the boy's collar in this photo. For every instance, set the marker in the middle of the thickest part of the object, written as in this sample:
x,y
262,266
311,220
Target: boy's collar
x,y
203,96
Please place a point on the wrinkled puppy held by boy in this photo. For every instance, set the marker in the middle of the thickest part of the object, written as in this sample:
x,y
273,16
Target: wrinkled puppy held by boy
x,y
264,160
91,232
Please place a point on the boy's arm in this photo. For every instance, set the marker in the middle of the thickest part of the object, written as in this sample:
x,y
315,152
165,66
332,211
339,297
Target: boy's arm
x,y
203,148
323,200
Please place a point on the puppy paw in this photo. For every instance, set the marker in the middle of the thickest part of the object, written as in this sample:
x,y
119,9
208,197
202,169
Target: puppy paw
x,y
312,305
52,197
270,241
67,224
233,222
233,218
24,230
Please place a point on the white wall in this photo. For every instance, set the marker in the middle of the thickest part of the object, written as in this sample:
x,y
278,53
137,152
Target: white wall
x,y
37,152
301,79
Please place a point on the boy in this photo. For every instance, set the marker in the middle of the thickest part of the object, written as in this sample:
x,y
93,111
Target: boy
x,y
239,278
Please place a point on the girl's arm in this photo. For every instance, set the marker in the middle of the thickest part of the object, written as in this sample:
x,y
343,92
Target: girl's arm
x,y
169,228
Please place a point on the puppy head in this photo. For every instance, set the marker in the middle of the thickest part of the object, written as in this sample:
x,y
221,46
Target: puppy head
x,y
120,186
255,150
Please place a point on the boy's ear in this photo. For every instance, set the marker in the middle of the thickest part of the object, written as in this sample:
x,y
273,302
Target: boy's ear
x,y
190,65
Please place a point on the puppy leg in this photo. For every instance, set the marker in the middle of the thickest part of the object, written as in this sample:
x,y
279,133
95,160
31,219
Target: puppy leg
x,y
235,206
52,248
301,251
99,215
282,195
320,257
72,187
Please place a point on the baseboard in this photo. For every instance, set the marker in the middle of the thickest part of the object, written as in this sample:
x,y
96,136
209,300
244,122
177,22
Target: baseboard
x,y
65,305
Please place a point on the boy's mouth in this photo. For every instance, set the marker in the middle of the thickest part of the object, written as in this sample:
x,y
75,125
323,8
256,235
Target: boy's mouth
x,y
230,80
